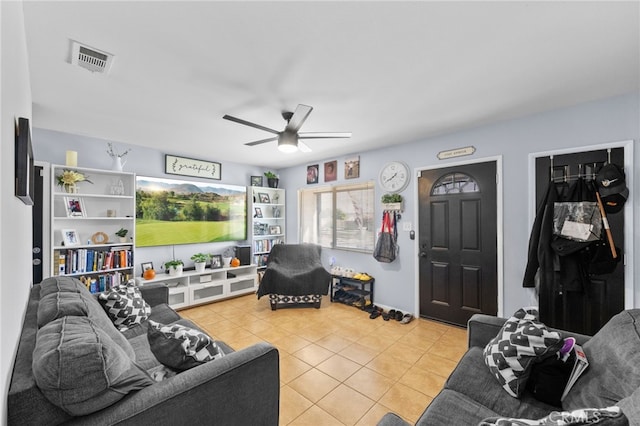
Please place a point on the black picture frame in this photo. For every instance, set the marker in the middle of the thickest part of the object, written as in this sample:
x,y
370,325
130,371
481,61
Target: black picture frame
x,y
258,212
256,181
264,198
24,169
144,266
216,261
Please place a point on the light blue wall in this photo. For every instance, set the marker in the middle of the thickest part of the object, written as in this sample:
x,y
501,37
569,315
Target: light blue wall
x,y
51,146
587,125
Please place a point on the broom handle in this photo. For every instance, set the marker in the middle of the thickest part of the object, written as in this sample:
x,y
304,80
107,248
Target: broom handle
x,y
605,222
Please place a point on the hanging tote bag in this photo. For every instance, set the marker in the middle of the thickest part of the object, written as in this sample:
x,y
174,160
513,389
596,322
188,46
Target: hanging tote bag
x,y
386,246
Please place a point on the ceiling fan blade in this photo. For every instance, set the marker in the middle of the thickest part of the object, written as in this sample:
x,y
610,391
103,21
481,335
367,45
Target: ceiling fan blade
x,y
323,135
299,116
250,124
303,146
261,141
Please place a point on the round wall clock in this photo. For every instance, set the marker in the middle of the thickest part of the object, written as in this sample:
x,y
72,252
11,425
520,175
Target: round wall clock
x,y
394,176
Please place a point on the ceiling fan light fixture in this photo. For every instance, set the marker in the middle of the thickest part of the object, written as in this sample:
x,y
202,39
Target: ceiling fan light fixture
x,y
287,142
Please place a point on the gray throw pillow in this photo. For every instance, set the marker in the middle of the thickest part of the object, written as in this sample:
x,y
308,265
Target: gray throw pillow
x,y
181,347
79,368
614,364
522,341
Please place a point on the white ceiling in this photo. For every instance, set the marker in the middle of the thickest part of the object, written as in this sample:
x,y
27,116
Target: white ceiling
x,y
390,72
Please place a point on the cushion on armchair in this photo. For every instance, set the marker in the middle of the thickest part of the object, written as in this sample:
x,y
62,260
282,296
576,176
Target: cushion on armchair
x,y
295,270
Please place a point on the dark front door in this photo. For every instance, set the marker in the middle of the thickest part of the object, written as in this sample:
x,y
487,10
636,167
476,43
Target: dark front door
x,y
458,242
587,309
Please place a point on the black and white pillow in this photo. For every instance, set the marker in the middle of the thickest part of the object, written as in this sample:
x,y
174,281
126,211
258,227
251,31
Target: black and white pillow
x,y
125,306
181,347
522,341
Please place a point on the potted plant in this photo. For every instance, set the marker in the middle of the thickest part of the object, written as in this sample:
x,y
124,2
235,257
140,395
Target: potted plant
x,y
122,234
174,266
272,179
227,255
200,261
392,202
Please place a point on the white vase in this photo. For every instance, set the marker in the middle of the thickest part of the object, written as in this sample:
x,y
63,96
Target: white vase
x,y
175,271
200,266
226,262
118,164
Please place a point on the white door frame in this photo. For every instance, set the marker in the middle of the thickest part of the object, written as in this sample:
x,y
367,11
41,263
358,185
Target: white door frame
x,y
499,225
629,296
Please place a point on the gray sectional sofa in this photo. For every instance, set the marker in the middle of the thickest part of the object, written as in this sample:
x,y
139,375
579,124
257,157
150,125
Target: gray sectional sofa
x,y
240,388
473,396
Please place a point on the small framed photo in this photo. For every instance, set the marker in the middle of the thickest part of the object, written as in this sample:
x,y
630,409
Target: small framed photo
x,y
216,261
312,173
258,212
145,266
352,167
264,198
331,171
275,229
74,207
70,237
256,180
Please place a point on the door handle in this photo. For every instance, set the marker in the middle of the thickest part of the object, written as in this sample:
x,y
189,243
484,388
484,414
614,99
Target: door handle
x,y
424,254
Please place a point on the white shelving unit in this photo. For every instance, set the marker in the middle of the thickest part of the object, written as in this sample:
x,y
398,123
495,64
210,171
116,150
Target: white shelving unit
x,y
91,216
195,288
268,222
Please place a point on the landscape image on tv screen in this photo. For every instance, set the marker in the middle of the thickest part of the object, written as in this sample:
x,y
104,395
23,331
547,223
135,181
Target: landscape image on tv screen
x,y
170,211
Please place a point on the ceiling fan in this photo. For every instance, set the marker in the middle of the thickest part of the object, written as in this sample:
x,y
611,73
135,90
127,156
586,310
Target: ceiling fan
x,y
289,138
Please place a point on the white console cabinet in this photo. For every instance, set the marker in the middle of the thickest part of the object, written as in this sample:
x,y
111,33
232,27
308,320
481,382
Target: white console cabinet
x,y
195,288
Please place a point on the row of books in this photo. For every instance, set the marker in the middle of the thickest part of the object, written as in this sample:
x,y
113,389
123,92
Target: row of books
x,y
261,246
104,282
77,261
260,259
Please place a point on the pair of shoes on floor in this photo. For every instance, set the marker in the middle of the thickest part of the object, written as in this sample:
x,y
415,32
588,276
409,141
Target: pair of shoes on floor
x,y
375,312
393,314
406,319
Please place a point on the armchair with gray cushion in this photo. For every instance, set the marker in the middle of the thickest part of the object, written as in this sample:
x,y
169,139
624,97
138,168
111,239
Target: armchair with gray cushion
x,y
295,276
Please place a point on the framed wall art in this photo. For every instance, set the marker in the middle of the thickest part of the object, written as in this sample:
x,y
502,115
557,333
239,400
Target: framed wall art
x,y
352,167
183,166
330,171
256,181
312,174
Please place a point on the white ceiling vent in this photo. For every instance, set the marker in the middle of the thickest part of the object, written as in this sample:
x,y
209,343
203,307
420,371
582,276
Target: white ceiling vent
x,y
89,58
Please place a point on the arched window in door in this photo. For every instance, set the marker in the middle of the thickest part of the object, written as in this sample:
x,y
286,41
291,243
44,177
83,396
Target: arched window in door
x,y
455,183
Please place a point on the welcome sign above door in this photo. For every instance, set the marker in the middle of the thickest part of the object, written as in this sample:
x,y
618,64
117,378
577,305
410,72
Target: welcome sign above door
x,y
191,167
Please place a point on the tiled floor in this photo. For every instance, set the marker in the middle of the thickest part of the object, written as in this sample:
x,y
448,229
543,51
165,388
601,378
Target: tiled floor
x,y
337,366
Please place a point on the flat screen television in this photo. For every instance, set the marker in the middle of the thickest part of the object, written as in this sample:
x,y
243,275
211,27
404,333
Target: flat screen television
x,y
171,211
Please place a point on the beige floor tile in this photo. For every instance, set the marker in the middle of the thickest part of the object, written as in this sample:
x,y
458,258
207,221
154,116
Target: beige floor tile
x,y
388,366
333,342
369,383
339,367
313,354
436,364
273,334
230,334
292,404
405,401
244,342
375,342
416,341
373,416
345,404
358,353
404,352
316,416
291,367
423,381
313,384
291,344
